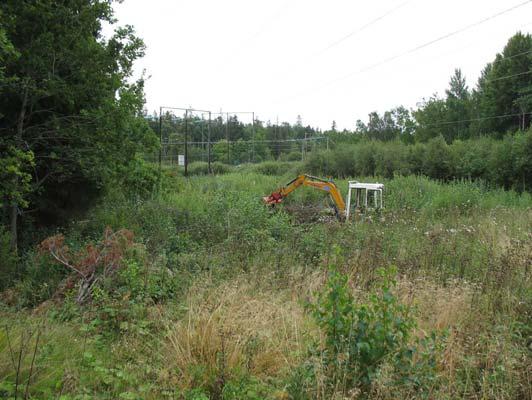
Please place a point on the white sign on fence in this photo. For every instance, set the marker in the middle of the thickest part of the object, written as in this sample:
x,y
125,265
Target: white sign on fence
x,y
181,160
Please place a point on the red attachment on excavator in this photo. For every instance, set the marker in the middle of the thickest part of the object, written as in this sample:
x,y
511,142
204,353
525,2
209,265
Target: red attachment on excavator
x,y
274,198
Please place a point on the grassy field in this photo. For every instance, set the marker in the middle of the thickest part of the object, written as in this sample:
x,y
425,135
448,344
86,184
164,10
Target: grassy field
x,y
220,297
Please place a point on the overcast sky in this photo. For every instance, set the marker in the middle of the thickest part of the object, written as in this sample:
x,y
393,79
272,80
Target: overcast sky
x,y
324,60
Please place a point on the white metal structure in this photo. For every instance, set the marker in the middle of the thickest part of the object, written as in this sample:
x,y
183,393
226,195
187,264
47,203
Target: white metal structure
x,y
361,193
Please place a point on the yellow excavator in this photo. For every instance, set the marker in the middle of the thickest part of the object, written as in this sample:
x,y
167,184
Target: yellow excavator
x,y
312,181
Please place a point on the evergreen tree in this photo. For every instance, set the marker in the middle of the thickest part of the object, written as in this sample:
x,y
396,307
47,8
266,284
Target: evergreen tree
x,y
457,104
501,88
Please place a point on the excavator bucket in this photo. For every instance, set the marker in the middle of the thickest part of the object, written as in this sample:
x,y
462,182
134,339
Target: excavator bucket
x,y
274,198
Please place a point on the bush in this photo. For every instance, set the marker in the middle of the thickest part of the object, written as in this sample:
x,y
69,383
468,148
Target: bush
x,y
472,161
437,162
8,260
93,263
272,167
364,159
219,168
343,162
198,168
505,163
139,178
120,302
522,149
319,163
292,156
39,281
202,168
391,159
361,338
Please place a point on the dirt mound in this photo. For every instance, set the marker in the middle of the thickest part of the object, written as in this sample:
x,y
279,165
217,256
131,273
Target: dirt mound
x,y
311,213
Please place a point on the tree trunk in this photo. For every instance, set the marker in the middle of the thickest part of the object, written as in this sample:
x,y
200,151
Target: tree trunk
x,y
13,212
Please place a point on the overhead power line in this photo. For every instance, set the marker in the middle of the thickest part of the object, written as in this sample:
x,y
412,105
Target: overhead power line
x,y
508,76
361,29
286,141
421,46
516,55
476,119
433,41
230,56
344,38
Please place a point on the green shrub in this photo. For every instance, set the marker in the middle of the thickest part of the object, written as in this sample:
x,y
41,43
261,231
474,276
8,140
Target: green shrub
x,y
437,162
120,302
361,338
246,388
292,156
139,178
391,159
272,167
522,149
198,168
8,260
39,280
320,163
343,163
364,158
312,246
219,168
472,161
415,157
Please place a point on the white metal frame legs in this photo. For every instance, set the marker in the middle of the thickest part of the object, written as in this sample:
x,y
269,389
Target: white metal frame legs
x,y
363,189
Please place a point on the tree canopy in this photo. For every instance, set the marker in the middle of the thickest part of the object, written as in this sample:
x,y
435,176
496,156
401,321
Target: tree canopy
x,y
70,114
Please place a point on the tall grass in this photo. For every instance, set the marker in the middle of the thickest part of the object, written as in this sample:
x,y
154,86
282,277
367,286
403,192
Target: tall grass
x,y
237,326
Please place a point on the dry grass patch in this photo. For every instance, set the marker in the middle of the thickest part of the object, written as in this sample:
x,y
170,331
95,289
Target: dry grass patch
x,y
232,329
438,307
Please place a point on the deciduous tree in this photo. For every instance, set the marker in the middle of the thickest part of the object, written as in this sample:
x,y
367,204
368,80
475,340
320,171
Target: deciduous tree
x,y
67,98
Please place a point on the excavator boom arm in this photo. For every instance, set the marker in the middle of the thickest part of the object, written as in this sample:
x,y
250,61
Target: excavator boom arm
x,y
312,181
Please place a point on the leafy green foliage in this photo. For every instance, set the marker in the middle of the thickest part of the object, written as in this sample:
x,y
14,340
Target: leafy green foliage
x,y
198,168
395,124
8,260
503,163
359,337
37,280
199,233
67,108
139,178
246,389
202,168
15,178
502,88
437,162
273,167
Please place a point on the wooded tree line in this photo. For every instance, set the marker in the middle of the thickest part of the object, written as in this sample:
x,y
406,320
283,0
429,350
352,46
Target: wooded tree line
x,y
70,117
501,163
232,141
457,136
500,103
